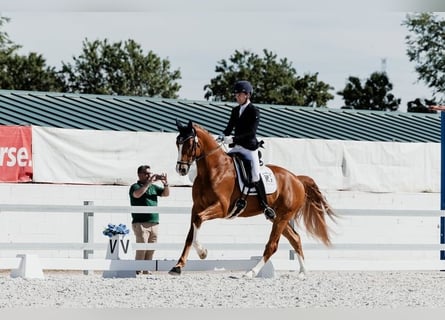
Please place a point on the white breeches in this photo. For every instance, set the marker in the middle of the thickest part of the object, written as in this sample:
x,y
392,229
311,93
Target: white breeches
x,y
252,155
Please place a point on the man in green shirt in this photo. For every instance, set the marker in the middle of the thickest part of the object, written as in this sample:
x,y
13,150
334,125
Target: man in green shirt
x,y
145,193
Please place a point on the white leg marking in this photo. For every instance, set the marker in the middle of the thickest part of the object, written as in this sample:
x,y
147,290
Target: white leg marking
x,y
255,270
202,252
302,273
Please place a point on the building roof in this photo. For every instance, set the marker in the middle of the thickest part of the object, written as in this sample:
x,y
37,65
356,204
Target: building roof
x,y
125,113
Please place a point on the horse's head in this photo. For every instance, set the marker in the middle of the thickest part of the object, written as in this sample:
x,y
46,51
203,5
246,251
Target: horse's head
x,y
194,143
186,142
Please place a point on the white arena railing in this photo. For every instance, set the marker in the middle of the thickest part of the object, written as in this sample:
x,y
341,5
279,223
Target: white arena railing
x,y
88,246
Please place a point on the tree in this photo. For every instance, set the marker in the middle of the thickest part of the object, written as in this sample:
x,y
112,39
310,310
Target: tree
x,y
420,106
5,43
274,82
426,47
28,73
18,72
121,69
373,95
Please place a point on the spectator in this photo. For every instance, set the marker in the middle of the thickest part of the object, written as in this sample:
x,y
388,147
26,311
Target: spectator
x,y
145,193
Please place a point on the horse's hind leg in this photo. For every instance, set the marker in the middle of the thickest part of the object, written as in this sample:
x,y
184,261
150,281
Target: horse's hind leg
x,y
295,241
271,246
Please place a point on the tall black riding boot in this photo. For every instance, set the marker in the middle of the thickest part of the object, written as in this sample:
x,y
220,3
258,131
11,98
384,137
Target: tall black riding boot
x,y
268,211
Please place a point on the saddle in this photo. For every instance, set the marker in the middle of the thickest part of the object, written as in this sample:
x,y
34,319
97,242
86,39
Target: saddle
x,y
243,173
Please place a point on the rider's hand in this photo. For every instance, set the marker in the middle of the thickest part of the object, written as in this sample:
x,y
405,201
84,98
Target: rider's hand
x,y
163,178
220,138
228,140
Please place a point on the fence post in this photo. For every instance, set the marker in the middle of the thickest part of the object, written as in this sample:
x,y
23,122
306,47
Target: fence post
x,y
88,227
442,182
442,237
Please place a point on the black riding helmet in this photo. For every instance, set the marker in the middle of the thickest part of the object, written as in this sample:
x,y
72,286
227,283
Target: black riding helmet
x,y
243,86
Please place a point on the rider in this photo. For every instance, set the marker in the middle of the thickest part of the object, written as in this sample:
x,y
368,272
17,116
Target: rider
x,y
245,118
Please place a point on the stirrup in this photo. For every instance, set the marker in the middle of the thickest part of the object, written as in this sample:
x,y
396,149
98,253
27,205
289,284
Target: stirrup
x,y
238,208
240,204
269,213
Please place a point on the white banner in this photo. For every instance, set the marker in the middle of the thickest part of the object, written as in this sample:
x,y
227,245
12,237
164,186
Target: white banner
x,y
391,166
112,157
320,159
101,157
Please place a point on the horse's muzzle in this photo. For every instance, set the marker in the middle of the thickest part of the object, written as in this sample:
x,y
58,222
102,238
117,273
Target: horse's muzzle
x,y
182,168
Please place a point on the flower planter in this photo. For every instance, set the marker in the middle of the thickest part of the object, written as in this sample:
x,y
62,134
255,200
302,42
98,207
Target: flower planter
x,y
119,249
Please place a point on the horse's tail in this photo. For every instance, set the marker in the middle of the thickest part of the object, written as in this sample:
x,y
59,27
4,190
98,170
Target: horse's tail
x,y
314,211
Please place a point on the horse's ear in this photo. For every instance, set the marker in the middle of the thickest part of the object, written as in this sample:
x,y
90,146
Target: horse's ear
x,y
179,124
190,124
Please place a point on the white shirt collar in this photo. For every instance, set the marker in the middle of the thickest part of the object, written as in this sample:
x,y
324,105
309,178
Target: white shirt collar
x,y
242,107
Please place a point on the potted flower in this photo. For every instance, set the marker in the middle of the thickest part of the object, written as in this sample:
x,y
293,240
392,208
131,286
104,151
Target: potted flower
x,y
118,247
112,230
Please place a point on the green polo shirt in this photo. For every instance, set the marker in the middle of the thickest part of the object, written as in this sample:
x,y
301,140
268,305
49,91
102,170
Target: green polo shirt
x,y
150,198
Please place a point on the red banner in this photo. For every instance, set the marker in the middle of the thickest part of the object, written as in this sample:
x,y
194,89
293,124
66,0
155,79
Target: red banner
x,y
15,154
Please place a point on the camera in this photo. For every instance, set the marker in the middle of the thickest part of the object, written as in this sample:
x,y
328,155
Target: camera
x,y
157,176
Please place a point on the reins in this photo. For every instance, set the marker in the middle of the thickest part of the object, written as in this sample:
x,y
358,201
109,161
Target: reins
x,y
194,148
208,154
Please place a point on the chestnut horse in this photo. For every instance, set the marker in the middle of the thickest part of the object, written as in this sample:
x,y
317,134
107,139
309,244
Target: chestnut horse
x,y
215,191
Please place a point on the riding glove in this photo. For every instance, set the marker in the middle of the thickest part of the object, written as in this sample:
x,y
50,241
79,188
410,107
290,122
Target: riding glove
x,y
228,140
220,138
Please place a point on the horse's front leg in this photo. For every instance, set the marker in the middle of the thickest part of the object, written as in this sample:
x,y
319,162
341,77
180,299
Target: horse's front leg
x,y
200,250
176,270
212,212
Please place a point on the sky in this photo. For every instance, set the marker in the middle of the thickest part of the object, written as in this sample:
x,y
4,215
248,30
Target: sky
x,y
194,36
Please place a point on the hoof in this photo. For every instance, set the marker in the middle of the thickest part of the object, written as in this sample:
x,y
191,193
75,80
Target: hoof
x,y
203,254
302,276
175,271
249,274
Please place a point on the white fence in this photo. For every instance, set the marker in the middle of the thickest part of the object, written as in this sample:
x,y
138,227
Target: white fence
x,y
379,252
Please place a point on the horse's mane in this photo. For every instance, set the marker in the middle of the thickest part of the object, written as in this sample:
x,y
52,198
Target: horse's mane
x,y
197,126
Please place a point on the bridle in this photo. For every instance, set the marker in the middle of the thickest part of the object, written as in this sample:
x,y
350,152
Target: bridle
x,y
180,141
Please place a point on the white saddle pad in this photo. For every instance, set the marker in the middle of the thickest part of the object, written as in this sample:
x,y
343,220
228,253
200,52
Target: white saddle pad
x,y
270,183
